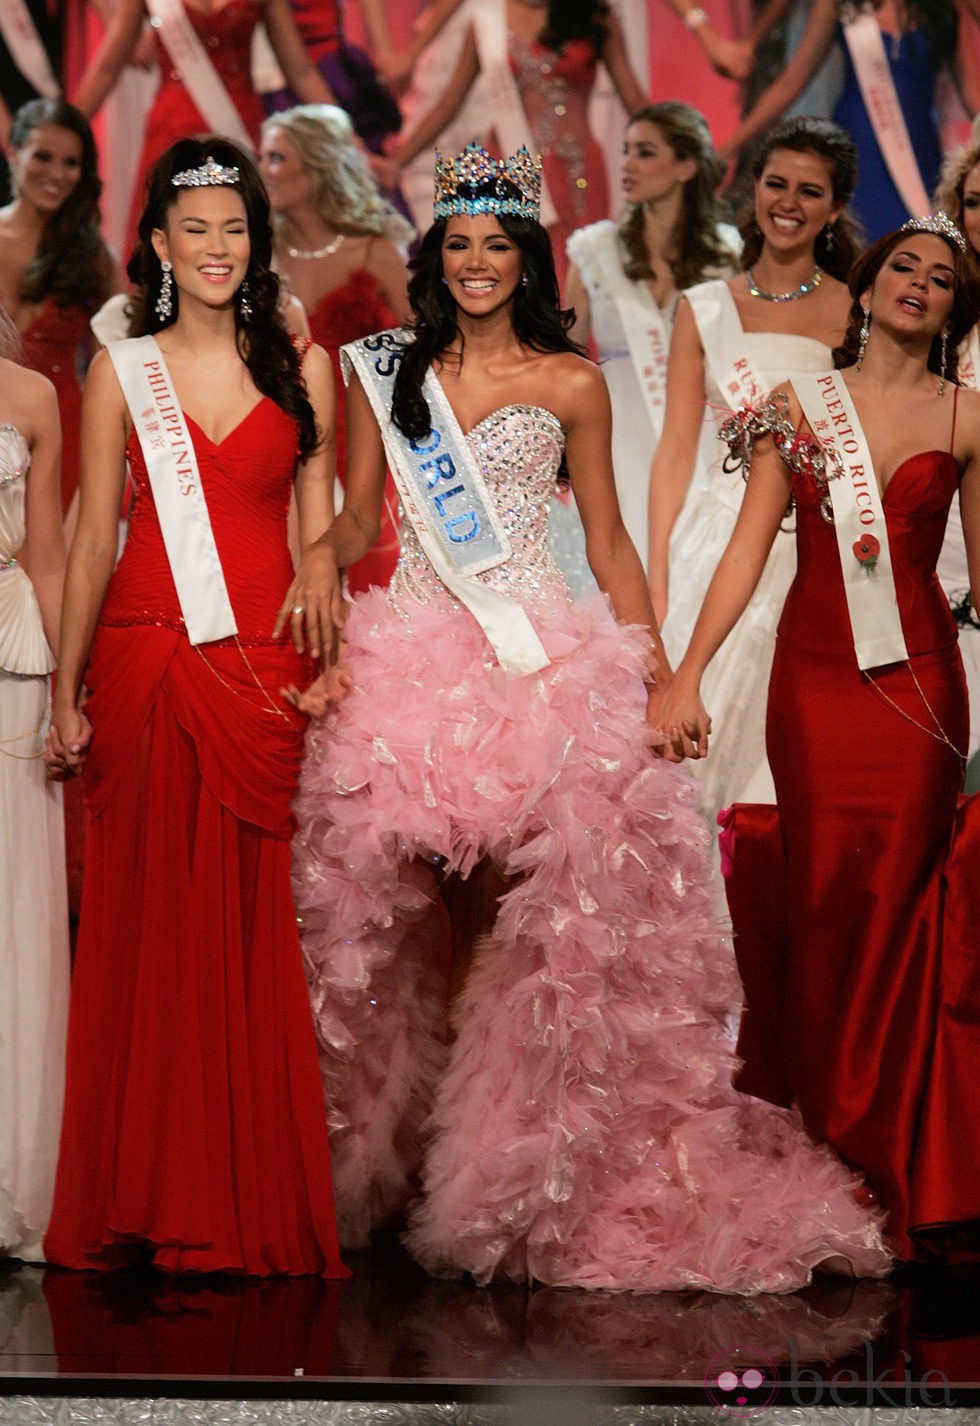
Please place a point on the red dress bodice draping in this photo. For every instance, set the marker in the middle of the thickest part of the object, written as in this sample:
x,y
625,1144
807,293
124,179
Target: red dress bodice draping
x,y
194,1121
356,309
851,1009
50,344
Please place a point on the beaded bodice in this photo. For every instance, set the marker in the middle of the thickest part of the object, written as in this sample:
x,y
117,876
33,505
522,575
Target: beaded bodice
x,y
15,457
23,647
518,450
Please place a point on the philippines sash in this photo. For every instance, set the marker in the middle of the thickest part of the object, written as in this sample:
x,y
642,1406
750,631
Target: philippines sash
x,y
444,495
177,492
859,522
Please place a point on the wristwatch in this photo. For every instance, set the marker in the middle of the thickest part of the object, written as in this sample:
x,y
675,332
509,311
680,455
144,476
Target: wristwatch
x,y
696,17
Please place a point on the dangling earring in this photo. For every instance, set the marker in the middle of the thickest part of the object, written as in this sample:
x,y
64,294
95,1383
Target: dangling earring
x,y
863,338
942,363
524,280
244,305
164,303
829,238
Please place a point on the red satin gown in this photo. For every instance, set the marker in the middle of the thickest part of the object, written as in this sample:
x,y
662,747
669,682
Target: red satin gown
x,y
194,1121
856,931
356,309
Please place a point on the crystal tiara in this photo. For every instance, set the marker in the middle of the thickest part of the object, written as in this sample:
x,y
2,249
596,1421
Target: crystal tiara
x,y
209,175
938,223
476,182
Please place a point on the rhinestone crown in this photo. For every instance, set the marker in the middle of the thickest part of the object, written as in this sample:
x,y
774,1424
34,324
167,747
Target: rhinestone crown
x,y
476,182
209,175
938,223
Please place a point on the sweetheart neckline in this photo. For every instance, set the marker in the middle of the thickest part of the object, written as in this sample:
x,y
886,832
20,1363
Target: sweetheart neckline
x,y
512,406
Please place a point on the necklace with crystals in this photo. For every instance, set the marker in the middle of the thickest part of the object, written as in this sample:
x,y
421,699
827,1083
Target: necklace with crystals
x,y
327,250
756,291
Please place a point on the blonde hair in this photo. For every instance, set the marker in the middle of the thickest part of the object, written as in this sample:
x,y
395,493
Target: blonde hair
x,y
949,194
10,345
345,193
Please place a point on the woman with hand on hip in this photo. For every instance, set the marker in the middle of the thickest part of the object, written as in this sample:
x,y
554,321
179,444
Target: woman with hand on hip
x,y
568,1139
854,900
194,1133
733,340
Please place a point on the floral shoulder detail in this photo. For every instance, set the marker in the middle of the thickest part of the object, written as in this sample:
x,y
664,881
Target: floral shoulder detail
x,y
801,451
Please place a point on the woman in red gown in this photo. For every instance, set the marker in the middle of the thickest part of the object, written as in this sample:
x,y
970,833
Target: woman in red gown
x,y
194,1123
861,979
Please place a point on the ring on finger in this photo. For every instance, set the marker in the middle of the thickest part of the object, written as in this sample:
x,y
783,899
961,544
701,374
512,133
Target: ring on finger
x,y
298,609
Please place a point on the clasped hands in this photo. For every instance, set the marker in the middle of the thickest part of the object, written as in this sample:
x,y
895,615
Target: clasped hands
x,y
678,721
315,609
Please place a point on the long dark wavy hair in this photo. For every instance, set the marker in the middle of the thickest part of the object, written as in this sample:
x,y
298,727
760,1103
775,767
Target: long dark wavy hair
x,y
966,300
695,244
834,251
576,20
72,263
539,320
263,342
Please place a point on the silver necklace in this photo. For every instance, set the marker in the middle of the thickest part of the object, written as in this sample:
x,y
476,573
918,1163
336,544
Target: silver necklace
x,y
756,291
327,250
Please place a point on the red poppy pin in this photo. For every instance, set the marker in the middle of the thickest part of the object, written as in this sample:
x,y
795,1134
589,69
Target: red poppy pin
x,y
866,552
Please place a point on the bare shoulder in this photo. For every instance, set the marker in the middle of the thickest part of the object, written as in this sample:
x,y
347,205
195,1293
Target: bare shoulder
x,y
30,401
576,387
967,441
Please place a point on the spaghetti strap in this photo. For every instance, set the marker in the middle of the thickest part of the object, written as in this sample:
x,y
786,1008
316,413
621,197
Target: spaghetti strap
x,y
952,430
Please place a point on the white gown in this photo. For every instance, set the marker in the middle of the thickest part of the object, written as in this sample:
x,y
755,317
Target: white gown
x,y
33,895
735,687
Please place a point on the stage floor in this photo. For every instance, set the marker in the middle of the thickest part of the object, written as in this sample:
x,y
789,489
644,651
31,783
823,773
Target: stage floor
x,y
392,1334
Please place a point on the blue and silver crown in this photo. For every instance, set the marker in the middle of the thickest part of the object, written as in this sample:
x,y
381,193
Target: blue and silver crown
x,y
476,182
209,175
940,224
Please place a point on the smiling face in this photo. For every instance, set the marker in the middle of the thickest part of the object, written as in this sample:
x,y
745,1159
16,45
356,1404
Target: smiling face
x,y
794,199
286,180
206,239
47,167
914,290
481,265
651,171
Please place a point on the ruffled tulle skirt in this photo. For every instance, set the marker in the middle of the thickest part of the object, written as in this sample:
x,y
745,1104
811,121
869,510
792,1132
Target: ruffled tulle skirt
x,y
581,1127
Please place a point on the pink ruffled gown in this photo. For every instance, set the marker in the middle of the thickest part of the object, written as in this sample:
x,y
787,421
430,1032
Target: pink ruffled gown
x,y
582,1128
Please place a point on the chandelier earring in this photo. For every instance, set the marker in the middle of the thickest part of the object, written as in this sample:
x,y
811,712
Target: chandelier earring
x,y
164,305
943,357
863,337
244,305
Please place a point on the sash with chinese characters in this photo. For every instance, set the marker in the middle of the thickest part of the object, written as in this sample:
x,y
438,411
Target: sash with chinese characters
x,y
177,492
723,341
509,119
643,322
27,51
866,46
859,521
199,76
444,495
968,366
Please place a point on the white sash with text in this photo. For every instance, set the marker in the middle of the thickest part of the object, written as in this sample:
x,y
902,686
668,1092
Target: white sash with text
x,y
646,331
200,78
723,341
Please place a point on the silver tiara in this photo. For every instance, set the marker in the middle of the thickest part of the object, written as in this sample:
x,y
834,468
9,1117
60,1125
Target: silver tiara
x,y
938,223
209,175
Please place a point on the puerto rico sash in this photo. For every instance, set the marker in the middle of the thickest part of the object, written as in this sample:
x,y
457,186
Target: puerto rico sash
x,y
859,522
444,495
507,111
198,74
643,322
24,43
177,492
723,341
866,45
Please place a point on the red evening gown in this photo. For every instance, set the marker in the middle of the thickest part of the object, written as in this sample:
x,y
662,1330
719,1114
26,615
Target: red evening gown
x,y
226,34
50,345
356,309
861,978
194,1120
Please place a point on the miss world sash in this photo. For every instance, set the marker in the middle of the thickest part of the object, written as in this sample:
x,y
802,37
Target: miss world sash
x,y
177,492
446,498
859,522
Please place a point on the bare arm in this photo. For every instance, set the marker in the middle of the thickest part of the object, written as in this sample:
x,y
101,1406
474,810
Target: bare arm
x,y
676,455
93,551
301,73
789,85
446,107
766,18
621,72
399,70
739,569
43,551
577,298
117,46
732,58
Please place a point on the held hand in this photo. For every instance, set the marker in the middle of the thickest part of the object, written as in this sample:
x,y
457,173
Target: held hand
x,y
733,59
66,744
678,718
330,688
395,68
315,607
